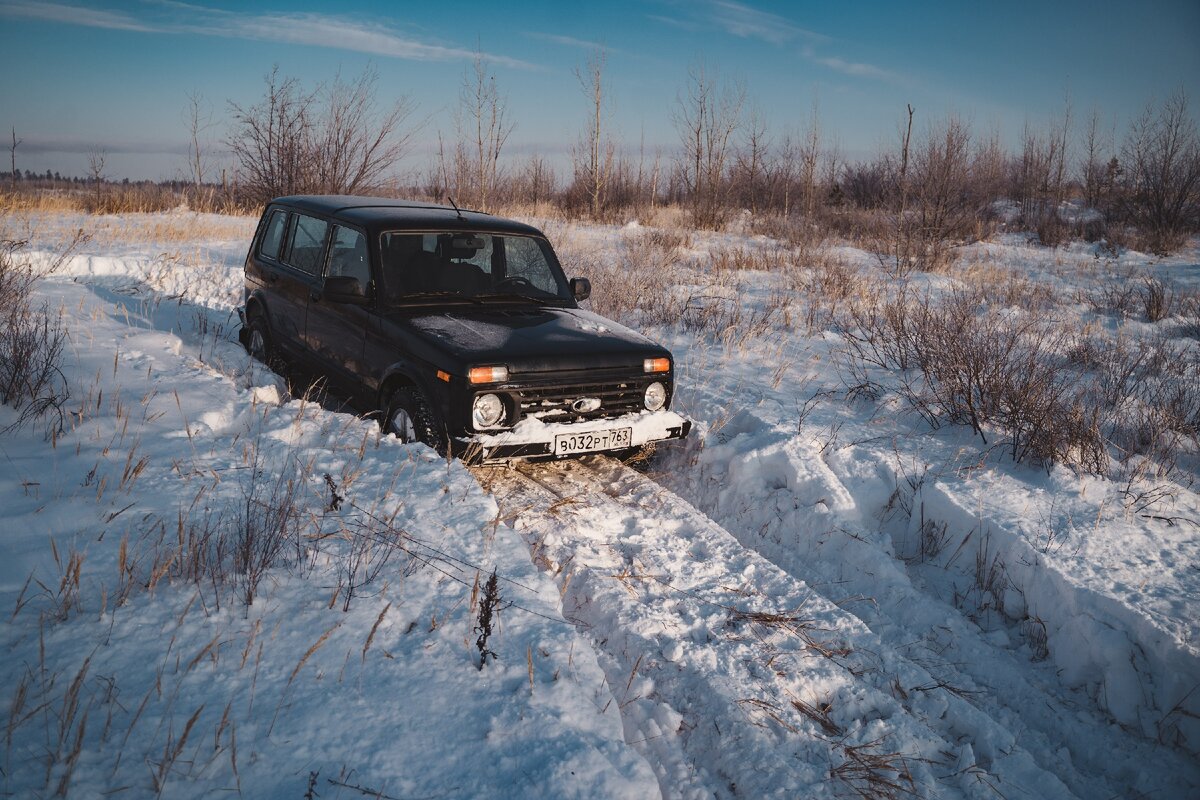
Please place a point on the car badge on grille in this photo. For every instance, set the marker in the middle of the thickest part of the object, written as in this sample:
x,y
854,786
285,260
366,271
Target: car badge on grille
x,y
586,404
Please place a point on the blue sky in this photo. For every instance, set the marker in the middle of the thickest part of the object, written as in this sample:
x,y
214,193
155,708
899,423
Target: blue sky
x,y
116,75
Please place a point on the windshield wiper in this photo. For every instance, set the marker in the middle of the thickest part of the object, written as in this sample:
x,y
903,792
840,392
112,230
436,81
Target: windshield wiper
x,y
424,296
509,296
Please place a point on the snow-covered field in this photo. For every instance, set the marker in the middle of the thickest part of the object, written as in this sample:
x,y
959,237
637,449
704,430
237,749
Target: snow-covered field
x,y
816,595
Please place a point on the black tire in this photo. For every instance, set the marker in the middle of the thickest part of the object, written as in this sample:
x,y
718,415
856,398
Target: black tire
x,y
410,418
637,457
259,343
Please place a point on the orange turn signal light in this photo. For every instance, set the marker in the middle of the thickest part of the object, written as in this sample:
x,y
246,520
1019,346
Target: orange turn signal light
x,y
656,365
443,376
487,374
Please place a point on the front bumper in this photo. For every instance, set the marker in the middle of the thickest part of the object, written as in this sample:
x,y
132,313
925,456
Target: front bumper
x,y
534,439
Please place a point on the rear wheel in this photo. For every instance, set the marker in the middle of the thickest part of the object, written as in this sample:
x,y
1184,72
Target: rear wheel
x,y
410,418
259,343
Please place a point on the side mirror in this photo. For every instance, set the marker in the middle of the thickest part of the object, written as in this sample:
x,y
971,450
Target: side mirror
x,y
344,289
581,288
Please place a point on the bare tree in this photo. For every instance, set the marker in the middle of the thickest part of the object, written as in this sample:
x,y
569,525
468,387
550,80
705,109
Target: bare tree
x,y
1039,175
941,192
751,166
593,156
333,139
535,180
1093,165
95,158
356,143
1161,189
902,251
13,154
706,119
483,129
198,118
270,141
809,153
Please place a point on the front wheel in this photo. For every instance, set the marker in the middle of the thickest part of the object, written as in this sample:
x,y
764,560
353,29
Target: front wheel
x,y
637,457
410,418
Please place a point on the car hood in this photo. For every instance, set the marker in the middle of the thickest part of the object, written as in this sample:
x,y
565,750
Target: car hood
x,y
530,340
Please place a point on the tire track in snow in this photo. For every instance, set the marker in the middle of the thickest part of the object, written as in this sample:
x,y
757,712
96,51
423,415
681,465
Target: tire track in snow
x,y
781,499
733,677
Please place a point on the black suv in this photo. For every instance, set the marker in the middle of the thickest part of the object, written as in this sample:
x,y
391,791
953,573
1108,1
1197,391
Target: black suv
x,y
458,326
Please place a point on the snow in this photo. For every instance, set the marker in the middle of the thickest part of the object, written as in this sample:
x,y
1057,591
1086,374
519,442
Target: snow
x,y
807,583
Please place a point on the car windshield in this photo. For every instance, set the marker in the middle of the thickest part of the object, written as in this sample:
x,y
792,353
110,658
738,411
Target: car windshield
x,y
470,267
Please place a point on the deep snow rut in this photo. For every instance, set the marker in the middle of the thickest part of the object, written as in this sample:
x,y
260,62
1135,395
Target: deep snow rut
x,y
733,677
817,521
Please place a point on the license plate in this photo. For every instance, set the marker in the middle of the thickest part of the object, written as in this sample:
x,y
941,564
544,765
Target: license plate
x,y
567,443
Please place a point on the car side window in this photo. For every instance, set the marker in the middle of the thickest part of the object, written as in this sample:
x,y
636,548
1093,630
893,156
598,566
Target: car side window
x,y
306,243
273,235
348,255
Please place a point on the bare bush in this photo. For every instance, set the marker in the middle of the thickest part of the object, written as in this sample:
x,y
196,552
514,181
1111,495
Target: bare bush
x,y
964,362
31,343
1157,299
1160,191
329,140
268,520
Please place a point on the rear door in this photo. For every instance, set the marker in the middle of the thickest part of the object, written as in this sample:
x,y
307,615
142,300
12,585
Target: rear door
x,y
299,277
336,332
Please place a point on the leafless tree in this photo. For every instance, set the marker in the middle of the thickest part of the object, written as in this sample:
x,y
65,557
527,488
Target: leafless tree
x,y
1039,174
356,142
13,154
271,141
198,118
902,256
941,191
751,167
333,139
810,156
1093,166
593,155
483,129
95,158
535,180
1161,187
706,119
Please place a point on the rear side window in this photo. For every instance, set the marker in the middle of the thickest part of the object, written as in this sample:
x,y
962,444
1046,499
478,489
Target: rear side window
x,y
273,236
306,243
348,255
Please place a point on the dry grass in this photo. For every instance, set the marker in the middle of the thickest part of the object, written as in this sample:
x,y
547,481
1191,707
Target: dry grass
x,y
871,772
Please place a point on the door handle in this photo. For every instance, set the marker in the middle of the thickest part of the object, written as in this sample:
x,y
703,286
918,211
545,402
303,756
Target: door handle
x,y
314,296
271,277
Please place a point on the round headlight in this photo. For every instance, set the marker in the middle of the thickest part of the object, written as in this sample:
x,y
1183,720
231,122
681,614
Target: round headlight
x,y
656,396
487,411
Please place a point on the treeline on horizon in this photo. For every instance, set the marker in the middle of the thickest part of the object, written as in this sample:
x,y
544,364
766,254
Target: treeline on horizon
x,y
939,184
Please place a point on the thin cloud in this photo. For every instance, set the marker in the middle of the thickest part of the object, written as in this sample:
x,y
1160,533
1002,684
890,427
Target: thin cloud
x,y
855,68
747,22
88,17
570,41
310,30
682,24
751,23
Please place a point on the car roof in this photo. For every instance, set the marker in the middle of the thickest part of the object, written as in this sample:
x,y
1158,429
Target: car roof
x,y
378,214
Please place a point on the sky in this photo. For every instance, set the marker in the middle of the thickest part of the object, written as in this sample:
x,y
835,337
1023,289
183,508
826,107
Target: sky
x,y
115,76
